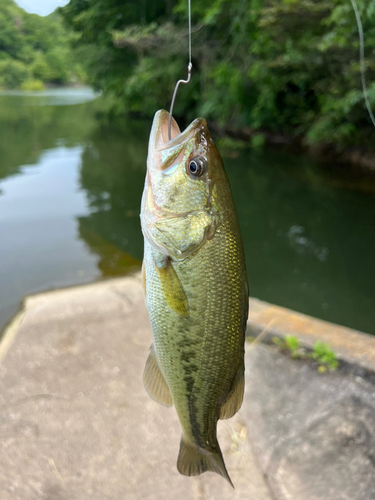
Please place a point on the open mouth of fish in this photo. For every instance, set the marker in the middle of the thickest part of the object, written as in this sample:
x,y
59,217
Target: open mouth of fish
x,y
159,139
166,177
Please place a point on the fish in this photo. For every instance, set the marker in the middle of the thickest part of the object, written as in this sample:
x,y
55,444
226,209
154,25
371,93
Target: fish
x,y
195,286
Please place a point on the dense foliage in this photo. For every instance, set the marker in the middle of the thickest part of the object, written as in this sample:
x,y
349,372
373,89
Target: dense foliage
x,y
285,66
34,50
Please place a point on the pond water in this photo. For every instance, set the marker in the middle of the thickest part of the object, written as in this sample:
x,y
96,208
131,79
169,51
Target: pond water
x,y
70,187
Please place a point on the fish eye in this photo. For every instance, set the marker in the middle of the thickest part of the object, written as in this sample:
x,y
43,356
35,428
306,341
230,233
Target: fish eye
x,y
196,166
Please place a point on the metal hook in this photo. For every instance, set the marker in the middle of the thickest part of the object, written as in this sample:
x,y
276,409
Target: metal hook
x,y
190,66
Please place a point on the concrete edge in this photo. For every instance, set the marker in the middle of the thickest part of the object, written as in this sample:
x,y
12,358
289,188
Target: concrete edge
x,y
351,346
29,298
35,300
10,332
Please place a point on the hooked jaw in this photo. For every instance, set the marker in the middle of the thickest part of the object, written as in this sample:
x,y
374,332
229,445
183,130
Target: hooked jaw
x,y
159,132
172,202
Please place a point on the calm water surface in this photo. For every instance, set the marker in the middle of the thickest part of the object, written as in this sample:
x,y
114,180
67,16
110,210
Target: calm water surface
x,y
70,188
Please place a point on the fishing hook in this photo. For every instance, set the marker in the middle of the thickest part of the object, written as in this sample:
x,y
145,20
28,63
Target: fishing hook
x,y
174,98
190,66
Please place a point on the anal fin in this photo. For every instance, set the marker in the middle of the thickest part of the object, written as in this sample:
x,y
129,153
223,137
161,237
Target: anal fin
x,y
154,382
234,401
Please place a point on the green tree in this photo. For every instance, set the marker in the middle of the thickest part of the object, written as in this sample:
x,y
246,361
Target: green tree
x,y
34,47
285,66
12,73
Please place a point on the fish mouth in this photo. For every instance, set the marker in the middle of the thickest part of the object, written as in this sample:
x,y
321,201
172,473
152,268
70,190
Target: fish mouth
x,y
159,139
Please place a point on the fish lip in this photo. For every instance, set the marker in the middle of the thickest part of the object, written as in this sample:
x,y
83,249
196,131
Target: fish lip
x,y
161,119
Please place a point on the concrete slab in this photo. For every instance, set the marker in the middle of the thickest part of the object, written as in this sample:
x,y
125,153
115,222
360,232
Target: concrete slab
x,y
313,433
75,420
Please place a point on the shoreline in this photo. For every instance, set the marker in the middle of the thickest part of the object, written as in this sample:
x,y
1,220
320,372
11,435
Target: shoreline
x,y
356,157
354,349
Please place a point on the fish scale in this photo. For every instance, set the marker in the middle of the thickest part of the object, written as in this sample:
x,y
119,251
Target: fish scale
x,y
195,290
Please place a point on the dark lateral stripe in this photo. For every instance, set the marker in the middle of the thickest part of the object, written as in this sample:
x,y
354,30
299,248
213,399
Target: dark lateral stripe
x,y
195,429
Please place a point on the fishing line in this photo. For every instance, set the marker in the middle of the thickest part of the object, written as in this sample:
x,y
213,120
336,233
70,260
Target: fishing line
x,y
190,66
259,338
362,60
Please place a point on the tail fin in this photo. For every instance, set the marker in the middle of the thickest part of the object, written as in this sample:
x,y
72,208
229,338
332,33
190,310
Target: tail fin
x,y
193,461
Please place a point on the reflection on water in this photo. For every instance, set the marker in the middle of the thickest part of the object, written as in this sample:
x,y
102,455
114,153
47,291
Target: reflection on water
x,y
54,97
113,261
112,175
302,244
309,246
70,188
39,248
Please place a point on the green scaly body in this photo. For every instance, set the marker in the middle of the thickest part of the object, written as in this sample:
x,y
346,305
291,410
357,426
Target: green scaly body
x,y
199,348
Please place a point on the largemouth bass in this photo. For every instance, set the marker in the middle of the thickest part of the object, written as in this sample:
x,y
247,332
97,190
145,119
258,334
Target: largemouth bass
x,y
195,288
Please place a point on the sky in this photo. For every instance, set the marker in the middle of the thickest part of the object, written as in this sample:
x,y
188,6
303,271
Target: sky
x,y
41,7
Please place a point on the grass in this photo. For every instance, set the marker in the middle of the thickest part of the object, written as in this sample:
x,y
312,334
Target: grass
x,y
322,355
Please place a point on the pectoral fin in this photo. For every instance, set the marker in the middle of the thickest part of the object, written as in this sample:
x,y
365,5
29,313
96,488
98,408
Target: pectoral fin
x,y
154,382
172,288
234,401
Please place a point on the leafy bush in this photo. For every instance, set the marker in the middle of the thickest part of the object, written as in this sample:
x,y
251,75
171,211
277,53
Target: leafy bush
x,y
32,85
13,73
40,69
258,141
286,66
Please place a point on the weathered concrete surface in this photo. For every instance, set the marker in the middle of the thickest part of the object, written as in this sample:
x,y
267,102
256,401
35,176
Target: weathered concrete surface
x,y
350,345
75,420
77,424
314,434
